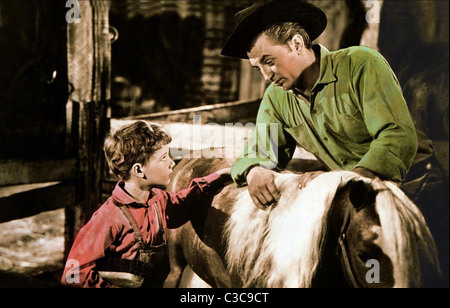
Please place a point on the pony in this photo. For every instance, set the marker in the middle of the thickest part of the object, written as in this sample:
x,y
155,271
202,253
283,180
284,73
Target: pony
x,y
341,230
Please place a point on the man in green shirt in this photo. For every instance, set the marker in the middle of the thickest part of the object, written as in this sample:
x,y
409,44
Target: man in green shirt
x,y
345,107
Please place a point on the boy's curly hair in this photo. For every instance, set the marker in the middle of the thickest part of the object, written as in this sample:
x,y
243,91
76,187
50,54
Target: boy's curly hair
x,y
131,144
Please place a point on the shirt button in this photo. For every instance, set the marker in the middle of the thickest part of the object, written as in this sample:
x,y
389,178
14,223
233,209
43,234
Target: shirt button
x,y
325,138
344,162
314,111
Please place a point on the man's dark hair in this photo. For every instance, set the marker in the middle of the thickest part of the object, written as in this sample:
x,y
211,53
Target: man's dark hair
x,y
282,33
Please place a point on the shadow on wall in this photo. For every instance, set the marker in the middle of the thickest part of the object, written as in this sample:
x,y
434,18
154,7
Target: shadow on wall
x,y
414,39
163,56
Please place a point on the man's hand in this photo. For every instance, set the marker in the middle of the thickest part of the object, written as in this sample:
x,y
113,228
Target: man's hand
x,y
261,187
308,177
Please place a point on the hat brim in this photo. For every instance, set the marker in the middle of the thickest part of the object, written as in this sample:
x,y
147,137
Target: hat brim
x,y
311,18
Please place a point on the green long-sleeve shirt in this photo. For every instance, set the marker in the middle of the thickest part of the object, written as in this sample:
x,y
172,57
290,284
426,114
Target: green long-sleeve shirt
x,y
356,116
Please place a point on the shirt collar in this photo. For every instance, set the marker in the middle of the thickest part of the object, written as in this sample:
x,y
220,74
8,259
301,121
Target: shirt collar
x,y
120,195
326,66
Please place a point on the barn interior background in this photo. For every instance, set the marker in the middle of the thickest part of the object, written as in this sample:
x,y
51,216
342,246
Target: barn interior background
x,y
66,81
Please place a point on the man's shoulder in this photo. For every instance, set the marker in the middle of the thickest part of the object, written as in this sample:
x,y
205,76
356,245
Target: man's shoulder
x,y
356,54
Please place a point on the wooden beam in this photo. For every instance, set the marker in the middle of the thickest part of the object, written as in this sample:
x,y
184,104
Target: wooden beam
x,y
14,172
22,201
218,113
89,72
251,85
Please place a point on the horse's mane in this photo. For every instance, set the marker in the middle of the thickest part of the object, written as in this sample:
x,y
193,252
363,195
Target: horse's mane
x,y
407,233
281,247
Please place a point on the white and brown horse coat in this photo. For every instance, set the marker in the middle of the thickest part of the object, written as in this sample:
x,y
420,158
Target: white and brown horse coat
x,y
282,247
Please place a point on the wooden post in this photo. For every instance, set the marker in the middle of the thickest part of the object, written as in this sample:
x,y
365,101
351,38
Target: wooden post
x,y
89,64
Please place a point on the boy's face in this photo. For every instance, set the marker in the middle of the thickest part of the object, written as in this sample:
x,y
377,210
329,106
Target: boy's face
x,y
158,169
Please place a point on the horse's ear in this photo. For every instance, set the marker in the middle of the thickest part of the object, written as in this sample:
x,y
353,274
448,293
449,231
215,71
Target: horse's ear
x,y
361,194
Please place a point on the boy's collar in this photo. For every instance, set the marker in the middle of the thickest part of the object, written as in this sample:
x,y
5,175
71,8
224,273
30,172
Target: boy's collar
x,y
123,197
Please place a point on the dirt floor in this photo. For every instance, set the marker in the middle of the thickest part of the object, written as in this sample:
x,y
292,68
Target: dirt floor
x,y
32,250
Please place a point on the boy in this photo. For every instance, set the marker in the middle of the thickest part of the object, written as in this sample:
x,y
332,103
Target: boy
x,y
126,234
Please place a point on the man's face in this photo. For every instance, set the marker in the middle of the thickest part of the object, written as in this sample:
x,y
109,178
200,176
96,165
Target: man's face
x,y
279,64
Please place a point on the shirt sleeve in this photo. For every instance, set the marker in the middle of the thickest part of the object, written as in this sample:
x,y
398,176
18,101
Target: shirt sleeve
x,y
89,245
270,146
199,189
387,119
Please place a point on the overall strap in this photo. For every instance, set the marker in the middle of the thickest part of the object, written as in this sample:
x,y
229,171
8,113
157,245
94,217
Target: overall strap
x,y
137,234
160,222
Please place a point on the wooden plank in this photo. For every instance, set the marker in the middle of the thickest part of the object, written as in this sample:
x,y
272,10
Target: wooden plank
x,y
251,83
89,58
218,113
22,201
14,172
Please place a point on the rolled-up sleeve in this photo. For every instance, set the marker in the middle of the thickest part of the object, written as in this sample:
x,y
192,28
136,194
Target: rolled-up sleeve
x,y
387,119
270,146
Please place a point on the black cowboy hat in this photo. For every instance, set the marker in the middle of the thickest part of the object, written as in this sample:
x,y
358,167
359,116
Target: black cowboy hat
x,y
257,17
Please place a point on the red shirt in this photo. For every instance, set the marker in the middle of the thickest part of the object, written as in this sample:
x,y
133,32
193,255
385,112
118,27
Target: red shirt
x,y
109,232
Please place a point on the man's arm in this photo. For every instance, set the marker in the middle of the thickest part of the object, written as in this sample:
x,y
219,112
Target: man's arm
x,y
270,146
387,119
